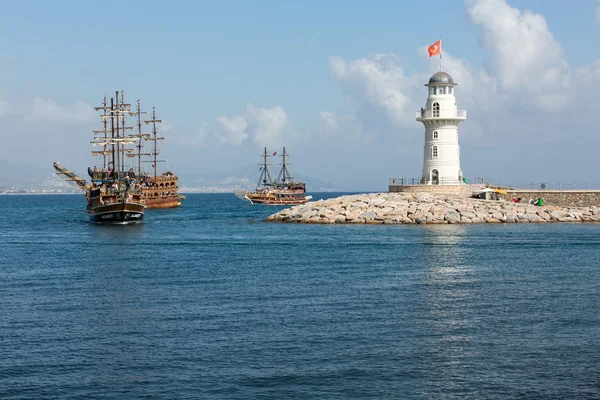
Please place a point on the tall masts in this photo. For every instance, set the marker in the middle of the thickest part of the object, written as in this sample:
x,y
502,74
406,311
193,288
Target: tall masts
x,y
115,141
154,121
284,177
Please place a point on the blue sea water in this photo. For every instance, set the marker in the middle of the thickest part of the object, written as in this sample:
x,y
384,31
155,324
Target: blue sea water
x,y
209,302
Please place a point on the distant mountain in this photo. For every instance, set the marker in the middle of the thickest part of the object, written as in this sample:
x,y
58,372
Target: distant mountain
x,y
19,174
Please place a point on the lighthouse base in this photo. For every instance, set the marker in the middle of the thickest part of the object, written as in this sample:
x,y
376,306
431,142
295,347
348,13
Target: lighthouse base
x,y
459,189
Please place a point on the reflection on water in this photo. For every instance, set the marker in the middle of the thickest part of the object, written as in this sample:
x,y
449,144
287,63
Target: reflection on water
x,y
446,297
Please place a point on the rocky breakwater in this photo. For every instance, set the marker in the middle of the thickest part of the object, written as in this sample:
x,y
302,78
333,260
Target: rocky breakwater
x,y
425,208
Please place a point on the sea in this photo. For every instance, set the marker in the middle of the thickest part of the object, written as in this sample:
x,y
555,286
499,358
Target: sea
x,y
208,301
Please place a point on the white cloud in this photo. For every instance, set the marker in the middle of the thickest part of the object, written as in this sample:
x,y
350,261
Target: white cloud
x,y
199,139
233,130
523,56
332,123
589,74
266,126
53,131
379,81
47,110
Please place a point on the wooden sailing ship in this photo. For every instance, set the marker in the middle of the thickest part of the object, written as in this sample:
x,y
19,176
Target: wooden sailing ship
x,y
158,190
281,191
114,195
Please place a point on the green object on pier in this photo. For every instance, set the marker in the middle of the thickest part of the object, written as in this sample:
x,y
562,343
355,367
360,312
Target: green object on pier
x,y
540,202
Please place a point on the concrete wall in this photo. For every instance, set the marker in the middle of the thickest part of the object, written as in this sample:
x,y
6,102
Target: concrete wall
x,y
460,190
562,198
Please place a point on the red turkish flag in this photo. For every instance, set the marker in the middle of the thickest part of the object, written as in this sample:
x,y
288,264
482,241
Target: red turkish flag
x,y
435,48
275,153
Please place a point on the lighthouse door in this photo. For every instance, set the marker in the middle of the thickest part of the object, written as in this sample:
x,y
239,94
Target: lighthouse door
x,y
435,177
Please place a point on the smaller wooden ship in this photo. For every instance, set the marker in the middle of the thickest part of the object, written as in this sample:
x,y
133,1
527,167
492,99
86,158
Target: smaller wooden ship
x,y
282,191
160,190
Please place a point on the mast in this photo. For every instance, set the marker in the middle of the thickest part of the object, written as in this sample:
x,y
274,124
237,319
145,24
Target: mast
x,y
265,176
105,122
105,116
139,135
122,113
112,131
284,175
117,167
139,145
154,153
125,108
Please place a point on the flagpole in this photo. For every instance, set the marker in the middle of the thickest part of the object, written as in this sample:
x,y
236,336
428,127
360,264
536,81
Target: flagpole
x,y
440,54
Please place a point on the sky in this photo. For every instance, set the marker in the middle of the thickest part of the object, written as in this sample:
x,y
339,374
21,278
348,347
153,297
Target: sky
x,y
336,82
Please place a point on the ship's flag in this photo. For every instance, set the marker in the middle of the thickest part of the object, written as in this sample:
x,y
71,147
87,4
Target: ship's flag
x,y
435,48
275,153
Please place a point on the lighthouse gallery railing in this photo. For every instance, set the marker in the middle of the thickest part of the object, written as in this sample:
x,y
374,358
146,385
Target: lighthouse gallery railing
x,y
442,114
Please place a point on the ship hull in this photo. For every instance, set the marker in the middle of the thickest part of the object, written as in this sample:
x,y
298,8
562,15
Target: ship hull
x,y
160,192
161,203
117,213
275,200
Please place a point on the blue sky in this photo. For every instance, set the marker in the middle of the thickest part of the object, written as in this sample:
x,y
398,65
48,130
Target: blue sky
x,y
231,77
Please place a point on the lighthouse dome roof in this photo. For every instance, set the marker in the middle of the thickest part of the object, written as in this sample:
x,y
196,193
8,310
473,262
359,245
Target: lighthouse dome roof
x,y
440,77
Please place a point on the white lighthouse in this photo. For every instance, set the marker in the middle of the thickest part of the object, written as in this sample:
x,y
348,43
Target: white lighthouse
x,y
441,153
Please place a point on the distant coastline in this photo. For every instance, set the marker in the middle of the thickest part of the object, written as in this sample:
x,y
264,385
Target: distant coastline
x,y
39,193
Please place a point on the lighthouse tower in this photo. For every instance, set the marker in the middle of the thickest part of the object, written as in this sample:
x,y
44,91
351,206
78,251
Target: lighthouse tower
x,y
441,155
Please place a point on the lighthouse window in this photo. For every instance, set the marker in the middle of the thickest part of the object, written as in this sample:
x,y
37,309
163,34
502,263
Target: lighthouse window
x,y
435,134
431,91
442,90
450,90
434,152
436,109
